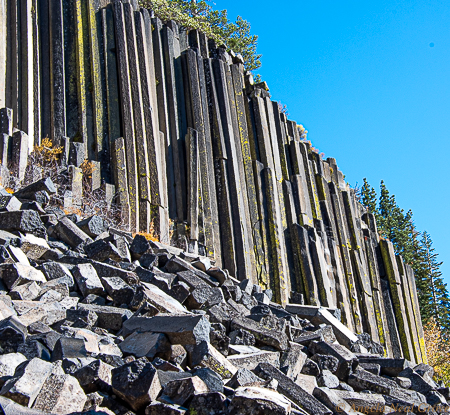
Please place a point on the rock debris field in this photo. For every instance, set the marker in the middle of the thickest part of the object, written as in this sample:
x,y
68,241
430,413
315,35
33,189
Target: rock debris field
x,y
96,321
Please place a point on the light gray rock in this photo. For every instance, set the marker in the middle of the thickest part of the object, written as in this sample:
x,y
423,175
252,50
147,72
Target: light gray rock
x,y
28,291
333,402
292,361
92,226
9,363
251,360
259,401
33,247
110,318
347,360
328,380
60,394
418,383
291,390
55,270
14,275
9,203
271,338
69,233
306,382
87,280
362,380
370,403
205,355
188,329
24,389
181,390
244,377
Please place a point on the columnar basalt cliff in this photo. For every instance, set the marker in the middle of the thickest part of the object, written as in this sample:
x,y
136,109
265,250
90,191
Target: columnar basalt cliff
x,y
192,148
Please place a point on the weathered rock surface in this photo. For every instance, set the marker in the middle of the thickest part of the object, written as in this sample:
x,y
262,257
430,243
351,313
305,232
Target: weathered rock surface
x,y
86,330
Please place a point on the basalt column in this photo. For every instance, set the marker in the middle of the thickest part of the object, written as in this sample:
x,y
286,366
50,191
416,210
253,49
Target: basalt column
x,y
193,153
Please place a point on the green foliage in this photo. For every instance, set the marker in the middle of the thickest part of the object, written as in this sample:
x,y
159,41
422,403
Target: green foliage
x,y
369,197
198,14
396,225
416,249
434,297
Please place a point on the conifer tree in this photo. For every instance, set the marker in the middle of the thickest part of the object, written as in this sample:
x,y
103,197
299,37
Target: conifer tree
x,y
424,287
199,14
416,249
396,225
369,197
433,286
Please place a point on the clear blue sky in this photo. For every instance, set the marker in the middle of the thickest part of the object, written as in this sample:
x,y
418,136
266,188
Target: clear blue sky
x,y
370,81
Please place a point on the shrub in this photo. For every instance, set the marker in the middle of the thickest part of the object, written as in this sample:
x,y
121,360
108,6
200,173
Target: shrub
x,y
438,351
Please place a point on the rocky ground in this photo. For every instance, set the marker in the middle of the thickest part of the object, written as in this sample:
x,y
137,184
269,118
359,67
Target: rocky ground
x,y
95,321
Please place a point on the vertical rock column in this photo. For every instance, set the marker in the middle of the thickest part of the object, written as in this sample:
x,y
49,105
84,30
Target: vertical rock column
x,y
3,49
12,58
198,118
194,189
276,242
212,234
174,144
74,118
286,248
236,146
100,144
243,128
127,116
393,275
137,110
171,119
408,300
6,130
241,233
371,240
122,180
341,289
278,255
84,132
112,89
360,268
415,304
57,73
224,209
155,142
36,84
391,321
19,153
299,181
343,242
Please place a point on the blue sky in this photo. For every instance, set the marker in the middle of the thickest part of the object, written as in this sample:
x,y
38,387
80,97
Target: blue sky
x,y
370,81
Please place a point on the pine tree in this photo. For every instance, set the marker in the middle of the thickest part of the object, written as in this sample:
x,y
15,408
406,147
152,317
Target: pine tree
x,y
369,197
396,225
423,284
199,14
416,249
433,286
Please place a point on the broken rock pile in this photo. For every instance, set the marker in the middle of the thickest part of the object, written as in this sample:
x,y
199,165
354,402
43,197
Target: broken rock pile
x,y
96,321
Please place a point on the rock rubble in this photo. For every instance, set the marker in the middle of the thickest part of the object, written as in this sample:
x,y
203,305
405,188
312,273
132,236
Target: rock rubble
x,y
96,321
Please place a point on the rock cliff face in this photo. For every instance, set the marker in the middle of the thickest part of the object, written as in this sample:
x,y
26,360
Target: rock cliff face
x,y
191,148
